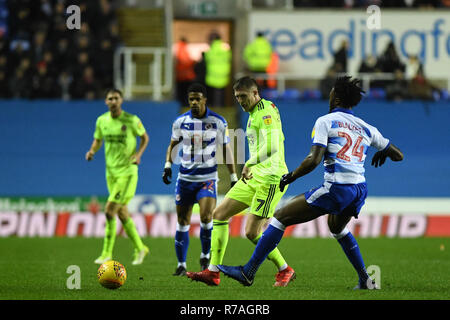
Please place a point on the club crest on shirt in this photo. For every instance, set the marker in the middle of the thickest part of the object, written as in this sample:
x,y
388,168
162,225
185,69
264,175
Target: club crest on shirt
x,y
124,127
267,120
208,126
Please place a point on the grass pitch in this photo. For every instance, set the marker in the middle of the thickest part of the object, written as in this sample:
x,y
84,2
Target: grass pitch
x,y
36,269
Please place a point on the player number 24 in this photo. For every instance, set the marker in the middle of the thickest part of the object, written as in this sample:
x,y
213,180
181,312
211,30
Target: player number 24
x,y
357,151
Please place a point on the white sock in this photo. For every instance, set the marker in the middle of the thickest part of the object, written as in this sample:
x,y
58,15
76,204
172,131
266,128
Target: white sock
x,y
202,255
213,268
284,266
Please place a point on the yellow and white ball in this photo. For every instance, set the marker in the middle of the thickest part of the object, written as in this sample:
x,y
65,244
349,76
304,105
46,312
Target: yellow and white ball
x,y
111,274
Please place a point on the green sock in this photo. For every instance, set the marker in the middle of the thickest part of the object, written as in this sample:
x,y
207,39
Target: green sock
x,y
130,230
274,256
219,241
110,237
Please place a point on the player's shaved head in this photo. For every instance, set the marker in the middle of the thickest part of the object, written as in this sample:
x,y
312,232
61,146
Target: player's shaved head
x,y
113,90
246,93
245,83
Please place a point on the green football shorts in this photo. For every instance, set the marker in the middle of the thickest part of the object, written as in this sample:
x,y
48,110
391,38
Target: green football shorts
x,y
121,189
261,198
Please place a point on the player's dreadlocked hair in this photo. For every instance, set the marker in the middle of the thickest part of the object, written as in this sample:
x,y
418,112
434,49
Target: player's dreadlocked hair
x,y
245,83
197,87
348,91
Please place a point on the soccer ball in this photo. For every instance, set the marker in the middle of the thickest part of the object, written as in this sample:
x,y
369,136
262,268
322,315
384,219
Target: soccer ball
x,y
111,274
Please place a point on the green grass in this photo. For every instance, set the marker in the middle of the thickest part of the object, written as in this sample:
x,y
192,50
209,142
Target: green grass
x,y
35,268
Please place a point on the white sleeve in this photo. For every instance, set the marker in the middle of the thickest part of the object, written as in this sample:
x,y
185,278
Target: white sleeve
x,y
224,132
319,134
176,131
378,141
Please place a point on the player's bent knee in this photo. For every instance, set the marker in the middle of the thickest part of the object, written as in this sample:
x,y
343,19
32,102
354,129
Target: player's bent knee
x,y
282,217
109,216
219,214
206,218
251,235
183,221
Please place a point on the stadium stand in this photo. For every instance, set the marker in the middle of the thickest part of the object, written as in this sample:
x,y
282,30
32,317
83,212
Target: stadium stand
x,y
41,59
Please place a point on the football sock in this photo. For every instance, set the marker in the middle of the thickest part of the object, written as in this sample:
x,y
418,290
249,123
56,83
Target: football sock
x,y
274,256
130,230
110,237
182,242
205,237
351,249
266,244
219,241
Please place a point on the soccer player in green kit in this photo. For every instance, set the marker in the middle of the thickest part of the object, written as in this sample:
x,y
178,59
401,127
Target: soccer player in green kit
x,y
119,130
258,187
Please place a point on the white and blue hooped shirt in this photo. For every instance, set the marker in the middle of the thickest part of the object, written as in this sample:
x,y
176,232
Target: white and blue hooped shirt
x,y
346,139
199,139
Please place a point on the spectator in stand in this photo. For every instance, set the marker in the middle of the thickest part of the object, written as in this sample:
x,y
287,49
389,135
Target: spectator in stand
x,y
390,60
105,70
87,86
412,67
421,88
105,15
38,46
184,71
257,56
200,70
218,68
4,65
398,90
368,65
340,58
64,83
83,61
43,84
4,88
19,85
62,53
37,31
327,83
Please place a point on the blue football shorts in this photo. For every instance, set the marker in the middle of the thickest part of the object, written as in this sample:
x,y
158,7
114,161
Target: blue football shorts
x,y
188,193
334,198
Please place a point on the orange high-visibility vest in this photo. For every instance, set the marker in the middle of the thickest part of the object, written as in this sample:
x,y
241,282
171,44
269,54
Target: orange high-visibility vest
x,y
272,69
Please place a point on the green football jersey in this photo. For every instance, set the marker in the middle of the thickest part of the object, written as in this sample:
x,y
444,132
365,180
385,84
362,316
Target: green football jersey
x,y
119,135
266,143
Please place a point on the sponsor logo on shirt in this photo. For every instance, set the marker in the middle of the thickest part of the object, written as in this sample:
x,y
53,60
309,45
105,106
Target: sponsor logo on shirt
x,y
267,120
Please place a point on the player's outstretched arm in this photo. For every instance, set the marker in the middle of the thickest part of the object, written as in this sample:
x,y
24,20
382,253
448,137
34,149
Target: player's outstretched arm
x,y
311,161
96,145
394,153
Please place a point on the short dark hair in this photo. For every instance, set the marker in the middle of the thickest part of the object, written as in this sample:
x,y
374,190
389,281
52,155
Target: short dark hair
x,y
348,91
113,90
245,83
197,87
